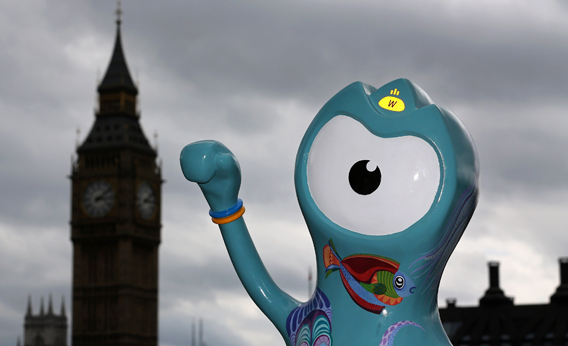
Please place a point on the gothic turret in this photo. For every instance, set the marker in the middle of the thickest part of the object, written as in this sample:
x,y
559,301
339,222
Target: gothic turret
x,y
29,310
62,306
50,306
44,329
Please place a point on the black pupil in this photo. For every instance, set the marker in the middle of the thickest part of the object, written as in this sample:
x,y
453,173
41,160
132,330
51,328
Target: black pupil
x,y
399,282
361,180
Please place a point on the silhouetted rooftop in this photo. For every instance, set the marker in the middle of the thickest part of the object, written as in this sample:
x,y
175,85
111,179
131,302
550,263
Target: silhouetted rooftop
x,y
498,322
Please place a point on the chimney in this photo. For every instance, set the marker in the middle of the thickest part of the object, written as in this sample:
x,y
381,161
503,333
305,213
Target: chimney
x,y
451,303
561,294
493,275
494,296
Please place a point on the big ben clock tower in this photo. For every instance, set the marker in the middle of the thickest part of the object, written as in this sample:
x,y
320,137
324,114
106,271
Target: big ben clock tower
x,y
115,220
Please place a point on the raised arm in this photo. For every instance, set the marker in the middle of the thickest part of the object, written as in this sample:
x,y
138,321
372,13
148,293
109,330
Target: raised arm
x,y
216,170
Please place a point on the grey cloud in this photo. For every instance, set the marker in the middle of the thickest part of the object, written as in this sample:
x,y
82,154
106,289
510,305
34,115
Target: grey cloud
x,y
252,74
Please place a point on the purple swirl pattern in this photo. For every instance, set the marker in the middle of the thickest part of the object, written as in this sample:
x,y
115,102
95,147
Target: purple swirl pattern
x,y
388,336
432,263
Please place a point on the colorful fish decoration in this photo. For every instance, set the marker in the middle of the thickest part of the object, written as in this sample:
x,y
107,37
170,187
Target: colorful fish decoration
x,y
372,281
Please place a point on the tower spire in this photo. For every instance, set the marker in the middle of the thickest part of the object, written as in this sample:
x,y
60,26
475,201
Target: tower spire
x,y
117,116
193,332
62,305
41,313
200,332
118,13
50,306
29,312
117,76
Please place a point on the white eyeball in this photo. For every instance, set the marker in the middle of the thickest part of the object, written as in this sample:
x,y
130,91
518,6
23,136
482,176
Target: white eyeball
x,y
369,184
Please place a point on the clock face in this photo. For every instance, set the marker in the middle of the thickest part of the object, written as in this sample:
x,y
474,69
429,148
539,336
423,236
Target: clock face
x,y
145,200
98,198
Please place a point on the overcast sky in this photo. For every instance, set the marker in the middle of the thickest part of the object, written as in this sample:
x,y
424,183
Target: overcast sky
x,y
252,74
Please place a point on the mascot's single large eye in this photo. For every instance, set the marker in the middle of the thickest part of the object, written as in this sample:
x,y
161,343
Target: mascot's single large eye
x,y
369,184
399,282
363,180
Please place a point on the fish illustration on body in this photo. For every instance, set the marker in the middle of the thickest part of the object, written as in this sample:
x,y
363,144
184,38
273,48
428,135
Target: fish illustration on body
x,y
372,281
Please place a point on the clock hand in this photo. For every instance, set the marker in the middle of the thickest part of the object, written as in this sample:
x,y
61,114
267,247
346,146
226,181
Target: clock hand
x,y
103,194
107,194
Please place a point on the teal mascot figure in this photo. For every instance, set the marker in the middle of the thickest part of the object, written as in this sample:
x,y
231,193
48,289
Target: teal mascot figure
x,y
387,182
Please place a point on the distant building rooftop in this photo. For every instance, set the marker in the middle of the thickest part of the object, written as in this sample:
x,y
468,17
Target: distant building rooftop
x,y
498,321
